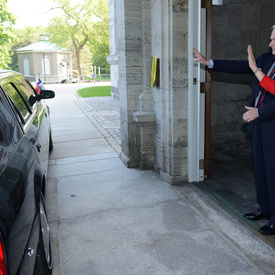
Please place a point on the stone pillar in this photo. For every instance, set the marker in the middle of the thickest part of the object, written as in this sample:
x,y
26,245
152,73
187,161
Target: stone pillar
x,y
129,33
145,117
136,101
173,130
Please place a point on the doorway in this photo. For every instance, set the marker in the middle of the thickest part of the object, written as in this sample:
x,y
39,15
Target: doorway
x,y
230,178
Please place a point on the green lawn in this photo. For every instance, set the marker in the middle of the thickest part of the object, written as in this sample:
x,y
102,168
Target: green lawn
x,y
95,91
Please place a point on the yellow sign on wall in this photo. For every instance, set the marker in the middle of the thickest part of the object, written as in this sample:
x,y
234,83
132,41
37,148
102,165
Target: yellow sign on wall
x,y
154,71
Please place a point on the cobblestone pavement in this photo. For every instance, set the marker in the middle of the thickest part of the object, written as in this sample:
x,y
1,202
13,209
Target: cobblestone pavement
x,y
106,112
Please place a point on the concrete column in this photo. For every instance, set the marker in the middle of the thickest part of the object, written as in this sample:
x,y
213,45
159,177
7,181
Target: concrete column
x,y
145,117
130,60
174,73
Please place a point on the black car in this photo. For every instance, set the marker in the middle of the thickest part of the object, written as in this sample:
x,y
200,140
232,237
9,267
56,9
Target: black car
x,y
25,142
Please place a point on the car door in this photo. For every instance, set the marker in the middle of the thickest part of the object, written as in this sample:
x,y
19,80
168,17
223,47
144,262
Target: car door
x,y
19,178
11,194
40,119
17,202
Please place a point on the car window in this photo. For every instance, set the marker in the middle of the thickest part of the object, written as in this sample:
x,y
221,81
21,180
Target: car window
x,y
3,125
9,133
27,92
18,103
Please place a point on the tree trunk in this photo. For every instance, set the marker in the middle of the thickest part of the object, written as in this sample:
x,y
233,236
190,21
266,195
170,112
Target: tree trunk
x,y
77,53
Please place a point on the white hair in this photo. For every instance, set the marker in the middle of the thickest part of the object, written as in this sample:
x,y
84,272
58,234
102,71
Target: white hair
x,y
273,27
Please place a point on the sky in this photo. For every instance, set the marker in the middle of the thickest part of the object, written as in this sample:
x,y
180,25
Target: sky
x,y
31,12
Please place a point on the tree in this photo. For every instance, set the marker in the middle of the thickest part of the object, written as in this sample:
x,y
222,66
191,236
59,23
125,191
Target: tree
x,y
99,40
7,21
75,26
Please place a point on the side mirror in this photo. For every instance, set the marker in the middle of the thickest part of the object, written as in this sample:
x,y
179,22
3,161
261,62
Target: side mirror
x,y
46,94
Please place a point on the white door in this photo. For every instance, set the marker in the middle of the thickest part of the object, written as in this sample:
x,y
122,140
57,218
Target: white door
x,y
196,116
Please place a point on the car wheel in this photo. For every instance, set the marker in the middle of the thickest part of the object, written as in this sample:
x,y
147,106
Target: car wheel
x,y
44,256
50,143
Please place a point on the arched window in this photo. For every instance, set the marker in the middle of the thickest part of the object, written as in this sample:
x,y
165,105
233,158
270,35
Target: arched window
x,y
26,67
45,65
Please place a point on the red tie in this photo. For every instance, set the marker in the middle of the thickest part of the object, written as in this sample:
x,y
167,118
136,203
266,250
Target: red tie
x,y
261,98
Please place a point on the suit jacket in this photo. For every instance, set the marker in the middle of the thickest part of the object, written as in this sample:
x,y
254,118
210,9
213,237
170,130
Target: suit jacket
x,y
267,111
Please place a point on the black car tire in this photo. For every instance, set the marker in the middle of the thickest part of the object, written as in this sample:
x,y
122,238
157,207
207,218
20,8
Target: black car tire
x,y
43,264
50,143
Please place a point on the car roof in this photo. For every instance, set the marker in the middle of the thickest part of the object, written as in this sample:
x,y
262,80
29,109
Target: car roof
x,y
2,71
7,73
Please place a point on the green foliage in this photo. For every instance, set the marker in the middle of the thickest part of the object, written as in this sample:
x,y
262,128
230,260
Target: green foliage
x,y
99,41
97,91
7,21
81,25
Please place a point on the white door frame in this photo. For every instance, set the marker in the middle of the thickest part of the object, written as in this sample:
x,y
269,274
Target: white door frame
x,y
196,100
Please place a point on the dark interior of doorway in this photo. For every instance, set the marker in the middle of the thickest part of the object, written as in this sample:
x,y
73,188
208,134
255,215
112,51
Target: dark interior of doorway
x,y
231,176
232,186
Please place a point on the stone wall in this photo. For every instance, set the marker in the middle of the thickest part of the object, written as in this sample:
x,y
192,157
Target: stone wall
x,y
153,120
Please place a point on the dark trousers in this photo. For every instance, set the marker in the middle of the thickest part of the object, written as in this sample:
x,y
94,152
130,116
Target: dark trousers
x,y
264,165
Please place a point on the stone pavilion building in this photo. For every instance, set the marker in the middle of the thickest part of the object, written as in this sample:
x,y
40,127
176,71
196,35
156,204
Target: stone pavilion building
x,y
45,60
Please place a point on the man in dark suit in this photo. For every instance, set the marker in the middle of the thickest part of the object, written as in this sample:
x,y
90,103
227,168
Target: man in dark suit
x,y
260,116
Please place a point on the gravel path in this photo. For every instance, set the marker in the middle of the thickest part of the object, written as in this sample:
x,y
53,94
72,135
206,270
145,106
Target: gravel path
x,y
107,113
